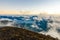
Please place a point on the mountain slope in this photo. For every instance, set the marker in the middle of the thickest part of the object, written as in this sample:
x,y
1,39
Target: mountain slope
x,y
13,33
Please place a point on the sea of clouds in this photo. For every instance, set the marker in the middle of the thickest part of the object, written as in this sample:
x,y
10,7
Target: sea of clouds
x,y
54,30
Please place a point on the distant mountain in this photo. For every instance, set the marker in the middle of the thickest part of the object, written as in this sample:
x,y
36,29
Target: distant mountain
x,y
14,33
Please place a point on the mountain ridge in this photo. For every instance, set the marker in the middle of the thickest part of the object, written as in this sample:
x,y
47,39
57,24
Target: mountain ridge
x,y
14,33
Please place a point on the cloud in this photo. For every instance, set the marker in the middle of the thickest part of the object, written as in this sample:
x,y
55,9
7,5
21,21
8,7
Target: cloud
x,y
8,12
17,12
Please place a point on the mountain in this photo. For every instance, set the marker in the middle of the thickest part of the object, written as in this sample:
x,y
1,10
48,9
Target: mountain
x,y
27,22
44,24
14,33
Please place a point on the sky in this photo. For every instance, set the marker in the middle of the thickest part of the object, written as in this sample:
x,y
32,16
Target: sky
x,y
29,6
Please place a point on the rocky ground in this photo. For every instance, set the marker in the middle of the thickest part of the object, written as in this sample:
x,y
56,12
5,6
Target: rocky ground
x,y
13,33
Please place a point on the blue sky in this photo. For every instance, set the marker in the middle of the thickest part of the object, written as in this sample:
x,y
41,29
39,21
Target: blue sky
x,y
39,5
20,4
23,4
